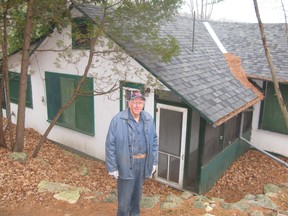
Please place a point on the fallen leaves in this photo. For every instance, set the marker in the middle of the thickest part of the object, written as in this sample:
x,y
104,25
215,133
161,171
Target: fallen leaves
x,y
249,174
18,181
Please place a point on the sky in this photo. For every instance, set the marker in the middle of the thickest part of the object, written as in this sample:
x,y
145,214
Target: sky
x,y
271,11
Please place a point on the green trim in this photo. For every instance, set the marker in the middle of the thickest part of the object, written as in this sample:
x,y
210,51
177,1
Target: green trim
x,y
126,84
202,130
215,168
272,118
79,116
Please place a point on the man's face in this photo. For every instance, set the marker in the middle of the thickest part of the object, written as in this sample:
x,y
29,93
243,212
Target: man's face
x,y
136,106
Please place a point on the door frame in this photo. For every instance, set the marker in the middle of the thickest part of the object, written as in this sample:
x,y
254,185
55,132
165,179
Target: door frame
x,y
183,141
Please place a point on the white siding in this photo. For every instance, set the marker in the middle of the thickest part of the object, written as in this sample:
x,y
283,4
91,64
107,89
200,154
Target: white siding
x,y
266,140
105,107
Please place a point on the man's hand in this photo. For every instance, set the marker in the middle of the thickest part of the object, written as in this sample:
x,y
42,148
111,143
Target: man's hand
x,y
115,174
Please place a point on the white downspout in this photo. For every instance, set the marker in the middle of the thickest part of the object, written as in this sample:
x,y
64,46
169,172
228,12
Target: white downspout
x,y
261,150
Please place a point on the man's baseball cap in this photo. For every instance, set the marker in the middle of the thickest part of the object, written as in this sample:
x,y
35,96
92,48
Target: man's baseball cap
x,y
137,94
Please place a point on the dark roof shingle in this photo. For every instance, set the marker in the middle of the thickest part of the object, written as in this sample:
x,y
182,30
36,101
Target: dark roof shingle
x,y
201,77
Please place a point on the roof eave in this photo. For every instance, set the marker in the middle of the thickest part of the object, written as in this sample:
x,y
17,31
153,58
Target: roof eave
x,y
264,78
236,112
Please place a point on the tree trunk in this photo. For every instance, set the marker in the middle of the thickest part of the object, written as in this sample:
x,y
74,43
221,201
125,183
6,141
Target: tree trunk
x,y
4,73
20,127
2,132
271,66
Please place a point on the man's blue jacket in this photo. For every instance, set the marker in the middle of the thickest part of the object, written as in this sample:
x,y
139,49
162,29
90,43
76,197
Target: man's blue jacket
x,y
119,149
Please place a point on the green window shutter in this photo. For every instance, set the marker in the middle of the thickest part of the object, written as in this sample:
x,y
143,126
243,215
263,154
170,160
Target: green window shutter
x,y
14,82
272,118
52,95
80,114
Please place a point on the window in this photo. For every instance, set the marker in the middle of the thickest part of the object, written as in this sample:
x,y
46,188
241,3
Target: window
x,y
232,130
219,138
272,118
247,121
213,141
80,33
14,82
79,115
126,89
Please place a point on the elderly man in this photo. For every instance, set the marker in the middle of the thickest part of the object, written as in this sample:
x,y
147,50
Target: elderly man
x,y
131,153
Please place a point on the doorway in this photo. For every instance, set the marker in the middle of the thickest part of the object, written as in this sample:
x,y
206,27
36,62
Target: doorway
x,y
171,124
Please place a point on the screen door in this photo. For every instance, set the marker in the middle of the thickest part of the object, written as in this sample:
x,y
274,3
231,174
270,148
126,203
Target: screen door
x,y
171,127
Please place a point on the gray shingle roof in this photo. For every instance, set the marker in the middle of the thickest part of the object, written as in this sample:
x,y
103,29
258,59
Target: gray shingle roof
x,y
201,77
244,40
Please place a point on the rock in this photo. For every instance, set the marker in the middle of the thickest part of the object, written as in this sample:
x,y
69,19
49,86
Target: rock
x,y
43,161
83,170
256,213
55,187
199,204
271,190
208,208
68,196
149,202
238,205
111,198
186,195
263,201
18,156
172,201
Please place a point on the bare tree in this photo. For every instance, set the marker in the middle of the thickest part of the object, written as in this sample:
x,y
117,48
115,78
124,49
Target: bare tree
x,y
5,89
202,8
271,66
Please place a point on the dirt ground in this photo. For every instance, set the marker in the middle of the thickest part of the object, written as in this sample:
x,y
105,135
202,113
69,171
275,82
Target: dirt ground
x,y
19,194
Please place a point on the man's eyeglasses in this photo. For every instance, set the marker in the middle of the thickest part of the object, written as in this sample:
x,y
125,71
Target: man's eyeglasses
x,y
137,103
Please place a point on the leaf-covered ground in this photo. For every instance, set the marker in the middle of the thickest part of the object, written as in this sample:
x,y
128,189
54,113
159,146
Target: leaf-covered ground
x,y
19,194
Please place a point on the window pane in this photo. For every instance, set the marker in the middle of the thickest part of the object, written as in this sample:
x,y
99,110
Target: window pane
x,y
163,165
247,123
232,130
213,144
67,89
170,141
174,169
80,33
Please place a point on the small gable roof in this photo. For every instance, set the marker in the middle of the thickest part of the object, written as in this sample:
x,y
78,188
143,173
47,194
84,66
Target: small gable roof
x,y
201,77
244,40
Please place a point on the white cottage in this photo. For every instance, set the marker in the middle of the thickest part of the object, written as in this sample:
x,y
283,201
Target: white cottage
x,y
199,106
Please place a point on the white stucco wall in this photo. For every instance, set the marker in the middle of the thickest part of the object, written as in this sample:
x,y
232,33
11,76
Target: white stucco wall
x,y
105,107
266,140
